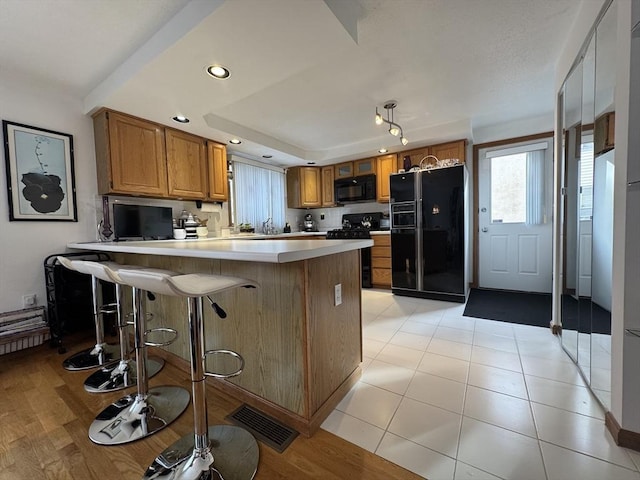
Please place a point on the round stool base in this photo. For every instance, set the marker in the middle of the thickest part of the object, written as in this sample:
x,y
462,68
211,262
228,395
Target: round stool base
x,y
233,455
133,417
119,376
96,356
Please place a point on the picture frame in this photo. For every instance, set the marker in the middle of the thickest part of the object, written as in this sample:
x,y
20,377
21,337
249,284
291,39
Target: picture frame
x,y
40,173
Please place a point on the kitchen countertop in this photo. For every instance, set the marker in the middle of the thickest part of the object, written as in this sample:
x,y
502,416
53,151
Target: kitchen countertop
x,y
250,236
265,248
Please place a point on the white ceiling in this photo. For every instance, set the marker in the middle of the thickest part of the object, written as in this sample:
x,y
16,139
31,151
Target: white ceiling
x,y
304,84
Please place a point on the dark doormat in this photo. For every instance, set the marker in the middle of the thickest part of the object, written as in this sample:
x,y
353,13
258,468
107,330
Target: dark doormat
x,y
266,429
513,307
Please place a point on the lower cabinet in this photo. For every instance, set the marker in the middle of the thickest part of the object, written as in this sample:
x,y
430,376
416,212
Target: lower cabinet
x,y
381,261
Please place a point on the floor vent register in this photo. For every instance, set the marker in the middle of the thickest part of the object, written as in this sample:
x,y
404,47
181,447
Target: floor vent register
x,y
266,429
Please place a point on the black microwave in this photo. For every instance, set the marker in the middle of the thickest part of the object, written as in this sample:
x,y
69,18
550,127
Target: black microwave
x,y
355,189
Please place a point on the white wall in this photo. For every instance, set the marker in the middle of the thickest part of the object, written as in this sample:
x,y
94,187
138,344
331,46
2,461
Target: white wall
x,y
25,244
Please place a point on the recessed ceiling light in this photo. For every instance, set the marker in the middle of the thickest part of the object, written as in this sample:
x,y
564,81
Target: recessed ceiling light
x,y
218,71
267,156
180,119
383,150
311,163
235,141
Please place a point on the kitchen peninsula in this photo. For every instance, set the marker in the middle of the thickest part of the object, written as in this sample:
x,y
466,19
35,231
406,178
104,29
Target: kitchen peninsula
x,y
302,351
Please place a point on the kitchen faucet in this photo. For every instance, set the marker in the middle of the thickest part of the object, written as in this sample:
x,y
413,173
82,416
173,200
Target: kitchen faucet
x,y
268,228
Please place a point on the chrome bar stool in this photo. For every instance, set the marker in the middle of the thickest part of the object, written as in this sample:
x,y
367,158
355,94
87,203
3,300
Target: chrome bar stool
x,y
122,374
139,415
211,452
101,353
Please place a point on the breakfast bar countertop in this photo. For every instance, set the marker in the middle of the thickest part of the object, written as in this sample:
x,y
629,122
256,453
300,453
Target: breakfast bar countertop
x,y
255,250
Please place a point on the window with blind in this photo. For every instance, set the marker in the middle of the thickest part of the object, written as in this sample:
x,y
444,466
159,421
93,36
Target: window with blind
x,y
518,184
586,179
258,194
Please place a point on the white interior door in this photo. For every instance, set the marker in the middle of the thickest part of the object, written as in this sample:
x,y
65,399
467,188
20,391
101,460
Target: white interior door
x,y
515,231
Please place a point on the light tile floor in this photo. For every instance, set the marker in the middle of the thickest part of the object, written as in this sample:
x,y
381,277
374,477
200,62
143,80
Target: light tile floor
x,y
451,397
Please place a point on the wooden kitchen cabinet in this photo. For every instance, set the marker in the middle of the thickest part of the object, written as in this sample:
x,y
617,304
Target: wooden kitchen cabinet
x,y
385,166
604,133
412,157
381,261
142,158
328,199
217,170
186,165
449,150
344,170
304,187
130,155
442,151
365,166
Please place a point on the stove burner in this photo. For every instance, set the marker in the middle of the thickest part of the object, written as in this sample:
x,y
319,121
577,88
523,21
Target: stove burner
x,y
350,234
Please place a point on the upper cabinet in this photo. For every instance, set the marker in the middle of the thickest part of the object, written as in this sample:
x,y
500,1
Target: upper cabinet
x,y
425,155
344,170
142,158
217,168
604,133
366,166
385,165
186,165
328,199
130,155
304,187
449,150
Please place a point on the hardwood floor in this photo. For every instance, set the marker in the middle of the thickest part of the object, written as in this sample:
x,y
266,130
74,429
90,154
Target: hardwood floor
x,y
45,414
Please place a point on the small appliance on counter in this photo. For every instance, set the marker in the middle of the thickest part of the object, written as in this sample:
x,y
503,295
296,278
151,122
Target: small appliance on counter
x,y
190,223
309,224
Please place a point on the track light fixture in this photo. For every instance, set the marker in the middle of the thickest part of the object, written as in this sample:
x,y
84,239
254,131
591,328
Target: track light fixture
x,y
394,128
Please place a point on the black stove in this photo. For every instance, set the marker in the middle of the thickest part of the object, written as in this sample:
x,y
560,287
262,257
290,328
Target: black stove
x,y
354,233
357,226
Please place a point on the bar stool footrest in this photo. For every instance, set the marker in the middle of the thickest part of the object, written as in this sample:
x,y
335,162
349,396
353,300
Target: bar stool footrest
x,y
221,351
172,331
149,317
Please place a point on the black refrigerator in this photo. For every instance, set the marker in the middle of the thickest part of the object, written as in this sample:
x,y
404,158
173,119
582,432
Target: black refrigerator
x,y
428,253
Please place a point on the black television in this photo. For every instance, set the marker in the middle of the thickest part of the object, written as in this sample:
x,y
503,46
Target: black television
x,y
135,222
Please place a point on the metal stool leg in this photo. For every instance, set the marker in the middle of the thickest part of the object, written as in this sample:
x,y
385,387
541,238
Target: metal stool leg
x,y
217,452
133,417
101,353
122,374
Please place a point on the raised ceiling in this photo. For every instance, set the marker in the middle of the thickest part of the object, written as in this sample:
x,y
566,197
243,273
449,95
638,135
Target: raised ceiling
x,y
306,75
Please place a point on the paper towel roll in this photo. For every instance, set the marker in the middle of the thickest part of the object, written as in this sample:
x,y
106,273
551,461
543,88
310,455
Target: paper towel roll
x,y
211,207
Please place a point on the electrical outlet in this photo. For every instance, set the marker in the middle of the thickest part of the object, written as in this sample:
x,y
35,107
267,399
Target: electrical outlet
x,y
337,292
29,300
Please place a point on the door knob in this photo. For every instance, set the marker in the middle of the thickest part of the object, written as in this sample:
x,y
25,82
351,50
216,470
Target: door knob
x,y
485,229
483,209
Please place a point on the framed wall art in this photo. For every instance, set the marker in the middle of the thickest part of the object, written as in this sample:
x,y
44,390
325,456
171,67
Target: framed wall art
x,y
40,173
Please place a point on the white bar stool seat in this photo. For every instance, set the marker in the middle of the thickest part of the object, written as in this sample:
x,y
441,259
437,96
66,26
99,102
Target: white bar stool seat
x,y
219,451
122,374
144,413
101,353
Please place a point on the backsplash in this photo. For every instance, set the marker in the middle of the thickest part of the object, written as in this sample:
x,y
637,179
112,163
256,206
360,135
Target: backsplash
x,y
332,215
